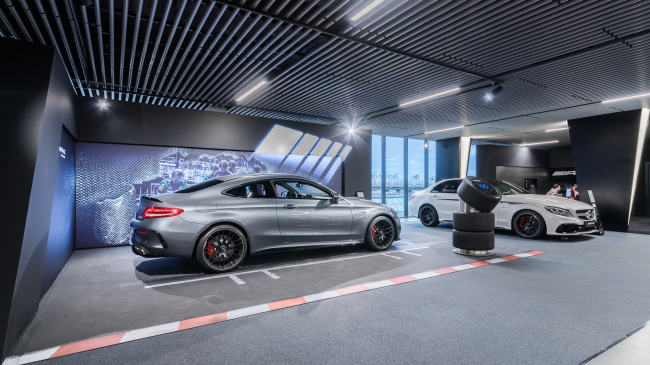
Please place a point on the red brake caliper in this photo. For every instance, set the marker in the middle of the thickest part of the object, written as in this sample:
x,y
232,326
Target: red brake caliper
x,y
521,222
374,228
209,248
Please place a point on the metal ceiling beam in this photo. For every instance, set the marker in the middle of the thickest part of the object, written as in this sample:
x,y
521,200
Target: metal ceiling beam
x,y
355,40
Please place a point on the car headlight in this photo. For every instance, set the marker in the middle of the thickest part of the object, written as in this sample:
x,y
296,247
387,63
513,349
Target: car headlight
x,y
560,211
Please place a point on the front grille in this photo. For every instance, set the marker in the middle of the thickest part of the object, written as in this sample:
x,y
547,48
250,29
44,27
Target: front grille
x,y
586,214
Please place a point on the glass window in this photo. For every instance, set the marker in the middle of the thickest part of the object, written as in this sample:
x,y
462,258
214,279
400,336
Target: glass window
x,y
376,168
471,167
432,162
260,189
507,188
447,187
395,174
416,165
300,190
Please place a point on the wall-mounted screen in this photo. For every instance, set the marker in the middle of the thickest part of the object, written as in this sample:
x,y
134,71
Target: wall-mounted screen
x,y
110,178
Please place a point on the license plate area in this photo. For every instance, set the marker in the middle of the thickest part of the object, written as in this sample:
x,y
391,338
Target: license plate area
x,y
590,224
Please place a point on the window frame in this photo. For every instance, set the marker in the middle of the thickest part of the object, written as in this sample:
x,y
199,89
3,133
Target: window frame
x,y
444,181
275,195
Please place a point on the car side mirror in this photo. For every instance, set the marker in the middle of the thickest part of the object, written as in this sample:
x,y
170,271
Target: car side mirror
x,y
336,198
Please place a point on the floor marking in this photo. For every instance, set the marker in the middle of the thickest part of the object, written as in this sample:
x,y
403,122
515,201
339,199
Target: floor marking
x,y
280,267
236,279
411,253
270,274
387,255
110,340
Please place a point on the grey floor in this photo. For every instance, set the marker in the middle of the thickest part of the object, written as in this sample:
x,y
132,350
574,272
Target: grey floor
x,y
559,308
639,224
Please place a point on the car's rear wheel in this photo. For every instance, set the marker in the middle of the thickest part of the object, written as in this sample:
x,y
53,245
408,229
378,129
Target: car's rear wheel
x,y
528,224
428,216
222,248
380,234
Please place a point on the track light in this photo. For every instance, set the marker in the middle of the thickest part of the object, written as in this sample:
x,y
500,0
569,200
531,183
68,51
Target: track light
x,y
626,98
490,95
446,129
365,10
556,129
103,104
536,143
429,97
245,95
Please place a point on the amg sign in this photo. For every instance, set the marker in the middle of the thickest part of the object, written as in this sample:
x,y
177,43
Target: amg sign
x,y
564,173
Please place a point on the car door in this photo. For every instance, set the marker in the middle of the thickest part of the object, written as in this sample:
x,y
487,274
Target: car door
x,y
307,213
447,199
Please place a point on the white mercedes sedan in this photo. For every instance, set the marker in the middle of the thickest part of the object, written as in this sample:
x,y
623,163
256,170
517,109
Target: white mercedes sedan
x,y
529,215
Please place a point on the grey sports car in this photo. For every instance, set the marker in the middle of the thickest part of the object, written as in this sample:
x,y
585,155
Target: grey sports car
x,y
220,221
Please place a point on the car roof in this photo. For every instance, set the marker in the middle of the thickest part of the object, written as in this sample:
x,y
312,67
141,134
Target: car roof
x,y
269,176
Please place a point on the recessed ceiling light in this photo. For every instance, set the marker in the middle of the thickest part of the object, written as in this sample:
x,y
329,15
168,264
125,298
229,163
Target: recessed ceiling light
x,y
532,144
103,104
430,97
446,129
626,98
251,91
365,10
556,129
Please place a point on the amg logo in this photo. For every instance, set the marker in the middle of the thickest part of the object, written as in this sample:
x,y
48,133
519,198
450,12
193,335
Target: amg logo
x,y
564,173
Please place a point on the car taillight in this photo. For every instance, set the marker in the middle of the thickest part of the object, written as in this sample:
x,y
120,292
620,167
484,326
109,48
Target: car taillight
x,y
412,196
161,212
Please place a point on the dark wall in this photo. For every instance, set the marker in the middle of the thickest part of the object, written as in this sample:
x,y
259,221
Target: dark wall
x,y
61,238
36,103
604,149
560,157
145,124
488,157
640,207
447,158
518,175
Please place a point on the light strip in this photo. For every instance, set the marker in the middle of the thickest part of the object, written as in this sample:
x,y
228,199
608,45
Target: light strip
x,y
532,144
366,10
430,97
446,129
556,129
251,91
626,98
464,147
643,127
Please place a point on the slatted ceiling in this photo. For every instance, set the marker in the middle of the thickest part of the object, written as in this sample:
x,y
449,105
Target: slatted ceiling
x,y
193,54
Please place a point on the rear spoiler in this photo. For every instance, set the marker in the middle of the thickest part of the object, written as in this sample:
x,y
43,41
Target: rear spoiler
x,y
150,199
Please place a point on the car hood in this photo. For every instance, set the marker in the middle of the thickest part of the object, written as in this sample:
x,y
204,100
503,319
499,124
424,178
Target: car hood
x,y
546,200
358,202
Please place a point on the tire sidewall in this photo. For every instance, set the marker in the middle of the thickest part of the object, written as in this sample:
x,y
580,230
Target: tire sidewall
x,y
199,248
542,223
370,245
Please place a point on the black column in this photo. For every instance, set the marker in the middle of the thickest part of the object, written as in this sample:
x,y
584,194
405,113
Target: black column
x,y
36,102
604,151
447,158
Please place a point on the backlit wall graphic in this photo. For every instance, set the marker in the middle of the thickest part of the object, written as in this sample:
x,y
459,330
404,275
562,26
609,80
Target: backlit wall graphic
x,y
111,178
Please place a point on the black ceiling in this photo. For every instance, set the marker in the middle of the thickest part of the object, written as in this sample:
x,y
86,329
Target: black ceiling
x,y
554,59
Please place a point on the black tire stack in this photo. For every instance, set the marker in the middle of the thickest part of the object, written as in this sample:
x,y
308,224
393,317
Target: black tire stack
x,y
474,227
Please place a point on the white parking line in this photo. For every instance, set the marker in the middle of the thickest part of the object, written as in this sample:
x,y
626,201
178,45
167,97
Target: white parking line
x,y
411,253
236,279
387,255
280,268
270,274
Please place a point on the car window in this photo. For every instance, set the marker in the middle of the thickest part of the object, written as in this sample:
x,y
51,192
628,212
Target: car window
x,y
259,189
300,190
447,187
507,188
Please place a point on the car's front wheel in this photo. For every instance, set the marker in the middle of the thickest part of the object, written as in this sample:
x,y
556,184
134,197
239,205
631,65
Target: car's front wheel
x,y
380,234
222,248
428,216
528,224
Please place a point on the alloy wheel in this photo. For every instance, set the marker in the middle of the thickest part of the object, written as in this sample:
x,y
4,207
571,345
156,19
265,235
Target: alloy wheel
x,y
382,234
527,225
223,249
427,216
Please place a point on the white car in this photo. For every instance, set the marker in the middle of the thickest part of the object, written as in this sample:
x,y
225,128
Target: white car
x,y
529,215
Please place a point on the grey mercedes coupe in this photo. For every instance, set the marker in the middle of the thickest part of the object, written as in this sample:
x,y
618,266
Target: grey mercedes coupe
x,y
220,221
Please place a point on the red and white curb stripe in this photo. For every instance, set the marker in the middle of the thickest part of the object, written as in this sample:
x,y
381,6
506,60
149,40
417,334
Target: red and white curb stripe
x,y
114,339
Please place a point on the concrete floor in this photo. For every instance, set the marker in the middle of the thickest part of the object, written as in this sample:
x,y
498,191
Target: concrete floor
x,y
562,307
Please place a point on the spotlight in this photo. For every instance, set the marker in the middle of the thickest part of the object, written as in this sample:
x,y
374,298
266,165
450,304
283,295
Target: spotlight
x,y
103,104
490,95
351,130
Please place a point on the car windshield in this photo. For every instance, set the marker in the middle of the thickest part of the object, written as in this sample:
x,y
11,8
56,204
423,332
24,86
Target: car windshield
x,y
507,188
199,186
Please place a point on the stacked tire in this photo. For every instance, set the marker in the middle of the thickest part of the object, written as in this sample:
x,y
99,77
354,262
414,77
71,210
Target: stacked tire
x,y
474,227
